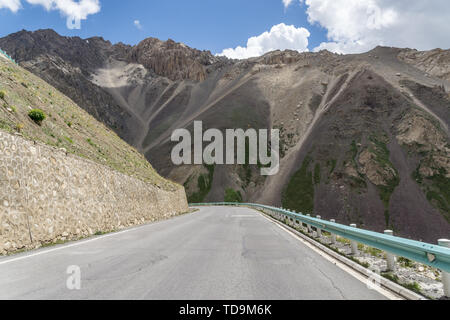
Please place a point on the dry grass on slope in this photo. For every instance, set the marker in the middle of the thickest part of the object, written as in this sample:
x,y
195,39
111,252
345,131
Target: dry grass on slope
x,y
66,125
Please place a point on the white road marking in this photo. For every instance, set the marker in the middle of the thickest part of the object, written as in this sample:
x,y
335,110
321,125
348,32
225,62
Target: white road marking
x,y
82,242
245,216
339,264
79,243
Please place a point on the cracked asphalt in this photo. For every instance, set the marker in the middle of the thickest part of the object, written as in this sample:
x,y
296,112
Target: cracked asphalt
x,y
217,253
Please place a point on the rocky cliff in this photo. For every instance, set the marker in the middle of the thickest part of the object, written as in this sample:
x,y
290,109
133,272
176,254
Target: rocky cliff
x,y
175,61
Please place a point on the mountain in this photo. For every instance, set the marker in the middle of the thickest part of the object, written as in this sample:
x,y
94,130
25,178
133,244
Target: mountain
x,y
364,137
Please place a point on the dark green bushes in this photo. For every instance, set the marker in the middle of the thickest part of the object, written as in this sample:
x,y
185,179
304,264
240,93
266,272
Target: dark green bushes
x,y
37,115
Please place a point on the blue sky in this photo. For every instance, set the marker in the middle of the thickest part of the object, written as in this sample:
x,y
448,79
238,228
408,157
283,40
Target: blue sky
x,y
243,28
203,24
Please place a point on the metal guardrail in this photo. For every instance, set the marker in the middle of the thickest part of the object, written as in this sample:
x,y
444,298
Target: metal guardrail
x,y
435,256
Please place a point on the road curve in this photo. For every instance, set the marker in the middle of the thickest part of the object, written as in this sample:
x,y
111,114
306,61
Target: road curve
x,y
216,253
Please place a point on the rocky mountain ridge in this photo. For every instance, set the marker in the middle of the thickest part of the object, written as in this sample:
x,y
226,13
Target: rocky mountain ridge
x,y
364,138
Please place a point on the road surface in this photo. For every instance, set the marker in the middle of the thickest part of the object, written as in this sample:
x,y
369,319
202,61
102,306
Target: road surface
x,y
224,253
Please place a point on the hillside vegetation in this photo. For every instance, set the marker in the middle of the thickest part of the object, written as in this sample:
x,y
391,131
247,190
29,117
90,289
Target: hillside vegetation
x,y
66,126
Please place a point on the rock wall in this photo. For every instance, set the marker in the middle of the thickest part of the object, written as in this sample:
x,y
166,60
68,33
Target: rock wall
x,y
47,195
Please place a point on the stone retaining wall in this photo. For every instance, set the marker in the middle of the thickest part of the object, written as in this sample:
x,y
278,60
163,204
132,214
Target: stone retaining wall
x,y
47,195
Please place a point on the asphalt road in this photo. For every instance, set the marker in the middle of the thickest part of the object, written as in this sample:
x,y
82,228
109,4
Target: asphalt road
x,y
216,253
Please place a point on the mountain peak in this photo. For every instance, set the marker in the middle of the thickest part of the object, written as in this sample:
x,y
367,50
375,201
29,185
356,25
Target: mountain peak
x,y
173,60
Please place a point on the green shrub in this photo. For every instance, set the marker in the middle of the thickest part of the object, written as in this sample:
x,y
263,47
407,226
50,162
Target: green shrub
x,y
37,116
414,286
317,174
2,94
391,276
232,196
299,193
204,183
91,142
68,139
343,240
406,263
19,127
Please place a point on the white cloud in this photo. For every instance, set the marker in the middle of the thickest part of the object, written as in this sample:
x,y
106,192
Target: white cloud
x,y
13,5
69,8
138,24
279,37
287,3
359,25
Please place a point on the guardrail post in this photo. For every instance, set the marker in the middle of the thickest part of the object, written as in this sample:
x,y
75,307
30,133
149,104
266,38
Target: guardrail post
x,y
389,256
319,231
445,275
295,220
333,236
354,244
308,226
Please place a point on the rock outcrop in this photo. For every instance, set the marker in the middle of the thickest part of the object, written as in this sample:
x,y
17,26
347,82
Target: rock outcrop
x,y
435,62
175,61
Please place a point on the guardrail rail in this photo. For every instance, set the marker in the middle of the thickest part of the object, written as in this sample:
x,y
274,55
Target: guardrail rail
x,y
7,56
